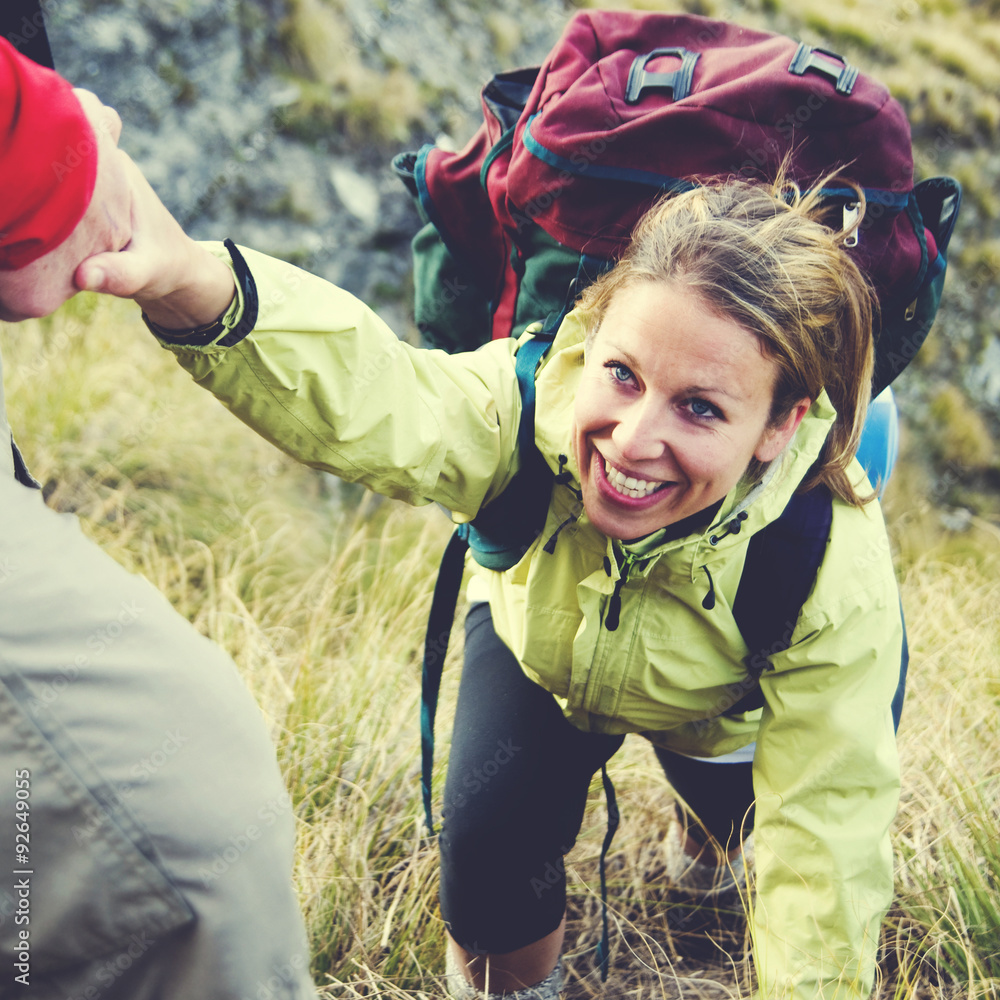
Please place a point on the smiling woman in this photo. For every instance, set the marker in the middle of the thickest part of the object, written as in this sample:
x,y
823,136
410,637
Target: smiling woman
x,y
722,367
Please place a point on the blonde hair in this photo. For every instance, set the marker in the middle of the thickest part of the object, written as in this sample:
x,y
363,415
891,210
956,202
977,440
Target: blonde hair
x,y
763,257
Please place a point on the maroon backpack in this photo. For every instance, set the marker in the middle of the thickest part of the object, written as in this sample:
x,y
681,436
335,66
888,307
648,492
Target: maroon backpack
x,y
629,105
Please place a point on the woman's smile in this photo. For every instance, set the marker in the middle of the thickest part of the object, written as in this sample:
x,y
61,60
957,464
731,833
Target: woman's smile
x,y
621,486
630,486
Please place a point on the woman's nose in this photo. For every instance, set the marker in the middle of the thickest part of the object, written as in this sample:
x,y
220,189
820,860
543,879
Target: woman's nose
x,y
638,435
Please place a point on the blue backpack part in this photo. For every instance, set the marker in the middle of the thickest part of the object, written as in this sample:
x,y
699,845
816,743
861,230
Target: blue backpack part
x,y
879,445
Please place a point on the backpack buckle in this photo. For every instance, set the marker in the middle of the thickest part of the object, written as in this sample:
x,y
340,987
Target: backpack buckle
x,y
812,57
678,82
851,212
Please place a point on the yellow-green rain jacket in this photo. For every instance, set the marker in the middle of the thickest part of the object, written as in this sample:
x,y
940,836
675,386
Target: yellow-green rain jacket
x,y
324,379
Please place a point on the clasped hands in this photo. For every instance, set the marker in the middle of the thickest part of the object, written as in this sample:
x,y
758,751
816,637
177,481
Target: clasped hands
x,y
126,244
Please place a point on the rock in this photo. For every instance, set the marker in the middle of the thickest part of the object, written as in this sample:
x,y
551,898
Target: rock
x,y
357,194
986,377
204,91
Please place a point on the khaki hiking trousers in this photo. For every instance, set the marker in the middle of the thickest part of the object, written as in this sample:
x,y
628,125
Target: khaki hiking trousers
x,y
146,838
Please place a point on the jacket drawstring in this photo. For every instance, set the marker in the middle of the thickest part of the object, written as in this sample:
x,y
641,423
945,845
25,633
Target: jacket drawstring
x,y
563,477
733,528
708,602
550,546
613,616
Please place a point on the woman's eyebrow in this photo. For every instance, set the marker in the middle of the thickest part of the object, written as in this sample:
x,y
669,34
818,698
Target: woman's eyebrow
x,y
696,390
620,352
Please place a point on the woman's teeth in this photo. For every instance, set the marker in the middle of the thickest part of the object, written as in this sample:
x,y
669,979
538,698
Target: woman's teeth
x,y
629,486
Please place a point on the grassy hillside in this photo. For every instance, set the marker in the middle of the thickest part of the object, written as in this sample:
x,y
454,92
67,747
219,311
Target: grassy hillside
x,y
321,600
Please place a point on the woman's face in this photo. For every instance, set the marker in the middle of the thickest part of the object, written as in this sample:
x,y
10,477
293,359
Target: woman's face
x,y
673,404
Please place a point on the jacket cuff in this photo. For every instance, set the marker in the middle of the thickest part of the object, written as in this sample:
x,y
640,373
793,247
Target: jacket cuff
x,y
232,326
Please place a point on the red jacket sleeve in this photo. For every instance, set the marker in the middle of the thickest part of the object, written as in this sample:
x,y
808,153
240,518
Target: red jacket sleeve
x,y
48,159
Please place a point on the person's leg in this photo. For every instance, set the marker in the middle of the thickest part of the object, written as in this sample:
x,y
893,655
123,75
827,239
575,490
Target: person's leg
x,y
721,796
161,834
514,799
533,970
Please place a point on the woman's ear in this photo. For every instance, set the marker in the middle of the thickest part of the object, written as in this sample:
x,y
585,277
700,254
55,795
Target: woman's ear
x,y
774,439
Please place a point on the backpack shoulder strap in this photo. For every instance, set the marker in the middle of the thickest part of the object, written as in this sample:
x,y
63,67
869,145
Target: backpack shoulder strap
x,y
439,622
780,569
499,535
503,530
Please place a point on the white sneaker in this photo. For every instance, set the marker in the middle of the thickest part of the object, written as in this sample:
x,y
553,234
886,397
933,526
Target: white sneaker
x,y
704,879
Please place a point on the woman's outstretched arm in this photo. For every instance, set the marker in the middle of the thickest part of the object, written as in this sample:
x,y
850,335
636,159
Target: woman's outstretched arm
x,y
314,370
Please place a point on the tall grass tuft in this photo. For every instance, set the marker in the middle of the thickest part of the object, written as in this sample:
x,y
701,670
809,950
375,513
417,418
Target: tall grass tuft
x,y
945,926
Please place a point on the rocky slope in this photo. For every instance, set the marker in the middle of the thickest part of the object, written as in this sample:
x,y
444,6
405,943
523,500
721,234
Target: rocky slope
x,y
247,129
273,122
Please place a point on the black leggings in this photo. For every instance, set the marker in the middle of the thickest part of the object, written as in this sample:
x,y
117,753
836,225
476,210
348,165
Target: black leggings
x,y
515,795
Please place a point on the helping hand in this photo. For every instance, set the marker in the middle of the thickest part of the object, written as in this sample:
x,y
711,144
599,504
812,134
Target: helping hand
x,y
177,282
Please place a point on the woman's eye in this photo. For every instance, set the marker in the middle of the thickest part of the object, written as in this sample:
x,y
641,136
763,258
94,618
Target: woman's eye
x,y
703,409
620,372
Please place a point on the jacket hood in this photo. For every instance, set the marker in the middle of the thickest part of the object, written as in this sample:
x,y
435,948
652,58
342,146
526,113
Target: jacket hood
x,y
746,509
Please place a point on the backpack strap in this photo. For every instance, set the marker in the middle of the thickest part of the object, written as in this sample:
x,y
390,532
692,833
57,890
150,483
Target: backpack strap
x,y
439,622
504,529
780,569
21,471
498,536
614,817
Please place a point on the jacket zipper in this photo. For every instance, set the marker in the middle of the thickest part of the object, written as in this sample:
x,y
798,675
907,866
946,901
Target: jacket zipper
x,y
613,616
